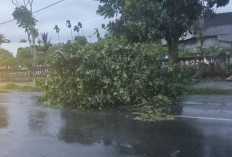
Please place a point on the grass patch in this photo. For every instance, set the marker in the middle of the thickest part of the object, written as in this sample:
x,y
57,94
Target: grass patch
x,y
211,91
4,92
14,86
16,79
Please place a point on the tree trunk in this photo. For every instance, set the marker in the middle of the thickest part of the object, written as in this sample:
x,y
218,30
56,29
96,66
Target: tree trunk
x,y
173,45
59,37
201,46
34,50
32,46
29,41
71,33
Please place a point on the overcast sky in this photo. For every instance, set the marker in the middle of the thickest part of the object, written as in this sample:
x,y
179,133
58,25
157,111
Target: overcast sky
x,y
83,11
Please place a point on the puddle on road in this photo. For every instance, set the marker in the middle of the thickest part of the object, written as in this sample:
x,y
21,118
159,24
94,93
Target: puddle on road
x,y
3,117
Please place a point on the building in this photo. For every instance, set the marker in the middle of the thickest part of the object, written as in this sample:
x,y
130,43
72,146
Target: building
x,y
215,31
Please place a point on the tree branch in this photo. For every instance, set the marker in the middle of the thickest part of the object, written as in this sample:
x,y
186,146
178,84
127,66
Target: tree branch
x,y
15,2
31,4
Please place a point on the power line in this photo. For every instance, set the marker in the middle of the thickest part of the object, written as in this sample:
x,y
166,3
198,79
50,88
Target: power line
x,y
48,6
6,22
36,11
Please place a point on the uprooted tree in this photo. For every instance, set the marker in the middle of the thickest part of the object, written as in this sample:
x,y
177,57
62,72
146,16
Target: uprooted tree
x,y
152,20
23,14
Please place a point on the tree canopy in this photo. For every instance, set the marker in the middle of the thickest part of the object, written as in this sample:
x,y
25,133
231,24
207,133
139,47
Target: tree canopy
x,y
46,41
6,58
24,17
81,40
26,20
151,20
24,57
3,39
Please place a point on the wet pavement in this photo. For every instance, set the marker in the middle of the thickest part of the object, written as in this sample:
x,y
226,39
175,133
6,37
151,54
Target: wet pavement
x,y
227,85
26,130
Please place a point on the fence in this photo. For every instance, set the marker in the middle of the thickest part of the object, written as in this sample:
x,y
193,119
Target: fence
x,y
39,72
205,64
213,64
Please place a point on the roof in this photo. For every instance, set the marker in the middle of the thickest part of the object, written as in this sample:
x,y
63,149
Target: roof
x,y
214,20
219,19
219,25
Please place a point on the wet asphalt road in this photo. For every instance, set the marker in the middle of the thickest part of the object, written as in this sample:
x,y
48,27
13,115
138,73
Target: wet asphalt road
x,y
203,129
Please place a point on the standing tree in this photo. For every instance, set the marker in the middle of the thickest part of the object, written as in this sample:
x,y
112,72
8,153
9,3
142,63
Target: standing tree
x,y
82,40
58,32
25,19
34,33
80,26
97,33
23,41
152,20
103,26
3,39
69,25
76,29
90,38
6,58
45,41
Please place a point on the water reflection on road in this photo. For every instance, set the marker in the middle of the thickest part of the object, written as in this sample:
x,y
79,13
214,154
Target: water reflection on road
x,y
3,118
28,130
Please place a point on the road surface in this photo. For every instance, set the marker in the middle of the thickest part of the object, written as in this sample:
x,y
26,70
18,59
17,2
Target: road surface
x,y
203,129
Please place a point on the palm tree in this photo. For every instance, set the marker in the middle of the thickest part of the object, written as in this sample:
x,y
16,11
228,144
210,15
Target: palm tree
x,y
69,25
46,42
80,26
58,32
103,26
96,31
76,29
44,37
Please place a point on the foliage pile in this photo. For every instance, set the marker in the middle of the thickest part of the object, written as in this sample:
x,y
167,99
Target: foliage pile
x,y
112,74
